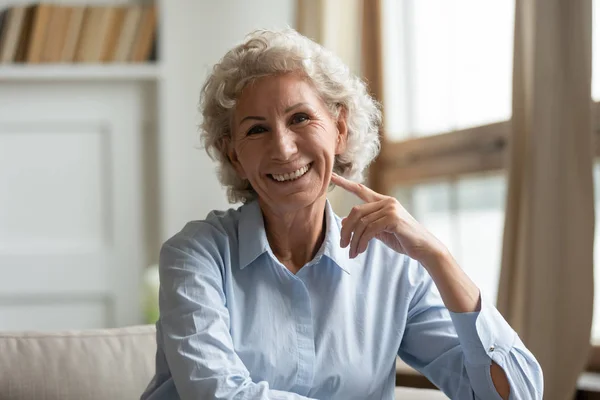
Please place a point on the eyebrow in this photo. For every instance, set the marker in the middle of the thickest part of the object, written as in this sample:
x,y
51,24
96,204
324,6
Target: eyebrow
x,y
249,117
256,118
290,108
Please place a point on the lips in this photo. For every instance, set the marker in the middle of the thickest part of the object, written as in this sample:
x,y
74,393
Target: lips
x,y
292,175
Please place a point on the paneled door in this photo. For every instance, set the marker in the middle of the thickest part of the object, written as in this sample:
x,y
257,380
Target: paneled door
x,y
71,204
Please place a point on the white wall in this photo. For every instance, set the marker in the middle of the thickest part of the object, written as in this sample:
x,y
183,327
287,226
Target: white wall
x,y
196,34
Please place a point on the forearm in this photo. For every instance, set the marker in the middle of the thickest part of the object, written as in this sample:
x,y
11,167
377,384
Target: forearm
x,y
459,293
222,388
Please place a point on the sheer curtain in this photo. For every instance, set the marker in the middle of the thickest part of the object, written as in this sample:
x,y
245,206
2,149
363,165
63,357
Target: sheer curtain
x,y
546,286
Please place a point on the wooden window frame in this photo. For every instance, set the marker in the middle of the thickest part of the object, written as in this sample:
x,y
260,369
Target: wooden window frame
x,y
473,150
465,151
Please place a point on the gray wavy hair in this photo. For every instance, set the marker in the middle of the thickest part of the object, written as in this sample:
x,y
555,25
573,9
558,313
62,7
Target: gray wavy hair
x,y
265,53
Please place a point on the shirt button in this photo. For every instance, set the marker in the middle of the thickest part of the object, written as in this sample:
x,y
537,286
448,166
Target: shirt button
x,y
492,348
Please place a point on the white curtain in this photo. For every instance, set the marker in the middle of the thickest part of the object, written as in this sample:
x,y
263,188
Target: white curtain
x,y
546,281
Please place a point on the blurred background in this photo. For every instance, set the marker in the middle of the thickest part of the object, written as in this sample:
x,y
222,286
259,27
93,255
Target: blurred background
x,y
100,160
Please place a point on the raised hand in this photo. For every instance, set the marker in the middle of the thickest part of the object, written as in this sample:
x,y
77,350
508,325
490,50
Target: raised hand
x,y
384,218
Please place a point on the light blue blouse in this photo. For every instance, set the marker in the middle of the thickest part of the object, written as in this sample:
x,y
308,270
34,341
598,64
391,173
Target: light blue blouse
x,y
236,324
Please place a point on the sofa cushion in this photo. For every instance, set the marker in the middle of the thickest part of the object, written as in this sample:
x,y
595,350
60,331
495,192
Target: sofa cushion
x,y
94,364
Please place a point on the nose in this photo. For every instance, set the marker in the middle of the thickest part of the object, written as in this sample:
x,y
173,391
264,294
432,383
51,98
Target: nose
x,y
283,146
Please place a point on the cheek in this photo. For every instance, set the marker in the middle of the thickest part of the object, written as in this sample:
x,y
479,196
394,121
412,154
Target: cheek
x,y
247,159
325,136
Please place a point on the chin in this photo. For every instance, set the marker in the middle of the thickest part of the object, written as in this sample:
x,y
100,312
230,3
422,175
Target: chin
x,y
293,201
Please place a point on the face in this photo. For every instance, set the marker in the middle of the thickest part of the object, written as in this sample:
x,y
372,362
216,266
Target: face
x,y
284,141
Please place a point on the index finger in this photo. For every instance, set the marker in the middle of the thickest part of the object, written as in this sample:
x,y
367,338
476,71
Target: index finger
x,y
364,193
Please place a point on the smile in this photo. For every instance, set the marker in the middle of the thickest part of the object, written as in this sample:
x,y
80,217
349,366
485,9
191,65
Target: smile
x,y
292,175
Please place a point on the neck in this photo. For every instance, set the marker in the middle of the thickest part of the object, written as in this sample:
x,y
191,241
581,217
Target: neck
x,y
295,237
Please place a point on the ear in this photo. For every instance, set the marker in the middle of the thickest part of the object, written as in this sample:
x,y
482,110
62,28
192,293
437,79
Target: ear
x,y
342,132
233,157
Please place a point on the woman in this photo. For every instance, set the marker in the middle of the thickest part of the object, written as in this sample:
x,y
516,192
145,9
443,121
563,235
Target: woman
x,y
280,299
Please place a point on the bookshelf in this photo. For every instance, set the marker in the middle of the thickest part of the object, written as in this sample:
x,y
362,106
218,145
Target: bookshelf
x,y
44,32
79,134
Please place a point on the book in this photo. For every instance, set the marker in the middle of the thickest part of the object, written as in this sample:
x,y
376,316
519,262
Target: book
x,y
41,18
55,38
72,34
86,36
104,23
154,52
25,35
109,46
12,25
127,34
142,45
3,16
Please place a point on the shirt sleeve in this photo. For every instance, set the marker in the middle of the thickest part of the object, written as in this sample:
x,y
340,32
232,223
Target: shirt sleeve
x,y
455,350
195,325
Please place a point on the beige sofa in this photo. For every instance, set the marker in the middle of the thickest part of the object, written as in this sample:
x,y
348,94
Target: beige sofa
x,y
92,365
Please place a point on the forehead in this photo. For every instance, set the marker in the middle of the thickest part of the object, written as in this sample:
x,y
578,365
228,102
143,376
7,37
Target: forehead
x,y
276,93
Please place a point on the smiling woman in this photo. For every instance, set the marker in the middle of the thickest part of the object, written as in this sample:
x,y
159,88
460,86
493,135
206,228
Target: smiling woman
x,y
282,299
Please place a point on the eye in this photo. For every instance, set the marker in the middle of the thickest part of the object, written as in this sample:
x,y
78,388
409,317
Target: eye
x,y
256,129
299,118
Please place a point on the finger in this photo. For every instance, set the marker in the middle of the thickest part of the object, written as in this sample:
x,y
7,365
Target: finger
x,y
375,228
348,223
363,192
361,225
362,228
358,219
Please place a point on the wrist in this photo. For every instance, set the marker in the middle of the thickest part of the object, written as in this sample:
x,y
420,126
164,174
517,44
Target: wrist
x,y
437,258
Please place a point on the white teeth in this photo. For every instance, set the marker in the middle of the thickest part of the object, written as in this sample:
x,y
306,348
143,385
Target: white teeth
x,y
291,176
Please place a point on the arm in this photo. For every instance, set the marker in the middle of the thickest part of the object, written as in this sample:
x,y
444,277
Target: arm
x,y
384,218
195,325
457,351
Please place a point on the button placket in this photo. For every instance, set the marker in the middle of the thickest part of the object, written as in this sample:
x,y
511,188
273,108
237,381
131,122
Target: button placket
x,y
305,334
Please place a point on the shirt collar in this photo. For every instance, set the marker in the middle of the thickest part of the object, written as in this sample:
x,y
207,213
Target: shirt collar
x,y
253,238
331,244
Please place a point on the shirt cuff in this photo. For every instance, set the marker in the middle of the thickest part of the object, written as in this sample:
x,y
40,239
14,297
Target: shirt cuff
x,y
483,335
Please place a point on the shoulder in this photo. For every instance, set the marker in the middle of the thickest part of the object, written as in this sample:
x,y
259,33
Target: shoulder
x,y
217,225
209,238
